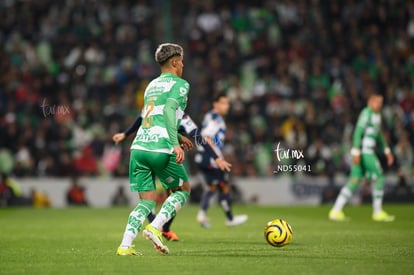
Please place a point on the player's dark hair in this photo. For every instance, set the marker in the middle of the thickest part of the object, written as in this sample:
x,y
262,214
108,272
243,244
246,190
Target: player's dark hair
x,y
375,93
166,51
218,96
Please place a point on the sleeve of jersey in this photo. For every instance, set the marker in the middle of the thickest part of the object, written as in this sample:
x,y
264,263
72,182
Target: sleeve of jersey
x,y
357,139
179,92
134,126
211,129
200,140
170,109
359,130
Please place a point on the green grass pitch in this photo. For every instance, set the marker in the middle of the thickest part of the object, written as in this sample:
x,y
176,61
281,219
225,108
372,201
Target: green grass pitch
x,y
84,241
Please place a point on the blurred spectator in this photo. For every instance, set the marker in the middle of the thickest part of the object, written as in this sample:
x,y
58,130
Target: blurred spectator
x,y
329,194
39,199
86,162
405,158
403,191
407,104
5,192
6,161
319,157
75,195
120,198
11,193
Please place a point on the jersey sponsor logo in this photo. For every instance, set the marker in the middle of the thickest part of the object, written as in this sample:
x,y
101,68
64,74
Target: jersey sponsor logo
x,y
371,131
146,137
183,91
376,118
368,142
165,85
158,87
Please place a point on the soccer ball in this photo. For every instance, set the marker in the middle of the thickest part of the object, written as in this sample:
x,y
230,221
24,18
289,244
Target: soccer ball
x,y
278,233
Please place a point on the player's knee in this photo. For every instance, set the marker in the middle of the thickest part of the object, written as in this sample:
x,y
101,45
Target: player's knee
x,y
148,195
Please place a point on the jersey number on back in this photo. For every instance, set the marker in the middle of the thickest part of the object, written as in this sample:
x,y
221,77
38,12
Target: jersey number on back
x,y
147,121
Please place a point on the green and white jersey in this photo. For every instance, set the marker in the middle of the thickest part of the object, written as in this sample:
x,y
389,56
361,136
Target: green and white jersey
x,y
368,131
153,134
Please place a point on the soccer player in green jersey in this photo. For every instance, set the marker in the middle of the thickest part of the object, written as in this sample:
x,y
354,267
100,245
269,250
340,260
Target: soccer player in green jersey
x,y
187,126
365,164
156,151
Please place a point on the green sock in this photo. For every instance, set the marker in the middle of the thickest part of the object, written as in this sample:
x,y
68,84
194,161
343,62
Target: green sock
x,y
136,220
345,194
353,185
377,194
169,208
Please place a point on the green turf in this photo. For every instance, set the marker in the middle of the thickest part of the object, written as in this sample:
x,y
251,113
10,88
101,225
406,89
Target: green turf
x,y
84,241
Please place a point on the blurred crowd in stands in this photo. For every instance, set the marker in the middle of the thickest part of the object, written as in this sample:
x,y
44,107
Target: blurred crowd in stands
x,y
73,73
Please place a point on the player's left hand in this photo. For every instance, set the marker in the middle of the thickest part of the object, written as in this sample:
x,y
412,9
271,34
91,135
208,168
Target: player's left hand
x,y
390,159
117,138
186,143
223,165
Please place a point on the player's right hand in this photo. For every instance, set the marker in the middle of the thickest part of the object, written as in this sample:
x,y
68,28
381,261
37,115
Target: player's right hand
x,y
186,143
179,153
356,159
117,138
390,159
223,165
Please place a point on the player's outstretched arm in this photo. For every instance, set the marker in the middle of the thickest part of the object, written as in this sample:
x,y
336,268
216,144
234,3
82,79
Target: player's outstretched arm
x,y
118,137
357,137
356,145
223,165
210,149
190,128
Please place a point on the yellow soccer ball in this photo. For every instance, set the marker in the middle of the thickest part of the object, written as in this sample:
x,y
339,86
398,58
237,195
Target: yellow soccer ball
x,y
278,233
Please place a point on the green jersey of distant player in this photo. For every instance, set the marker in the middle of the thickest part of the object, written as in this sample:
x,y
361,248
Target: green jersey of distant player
x,y
365,163
153,135
368,132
